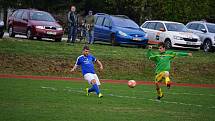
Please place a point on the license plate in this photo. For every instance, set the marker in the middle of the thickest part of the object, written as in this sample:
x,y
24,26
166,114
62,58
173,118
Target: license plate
x,y
191,43
136,39
51,33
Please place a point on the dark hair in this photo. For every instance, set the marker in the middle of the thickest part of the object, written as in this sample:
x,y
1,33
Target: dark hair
x,y
86,47
161,44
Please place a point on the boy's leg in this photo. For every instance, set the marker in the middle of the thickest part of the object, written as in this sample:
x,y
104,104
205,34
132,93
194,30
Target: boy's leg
x,y
167,79
159,78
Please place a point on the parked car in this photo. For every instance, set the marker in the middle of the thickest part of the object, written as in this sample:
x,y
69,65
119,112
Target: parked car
x,y
1,28
34,23
206,32
173,34
118,29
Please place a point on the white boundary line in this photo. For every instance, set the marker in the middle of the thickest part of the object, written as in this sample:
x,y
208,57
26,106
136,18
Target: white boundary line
x,y
69,89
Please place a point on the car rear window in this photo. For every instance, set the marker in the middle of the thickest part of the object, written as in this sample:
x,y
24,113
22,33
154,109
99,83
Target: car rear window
x,y
41,16
151,25
99,20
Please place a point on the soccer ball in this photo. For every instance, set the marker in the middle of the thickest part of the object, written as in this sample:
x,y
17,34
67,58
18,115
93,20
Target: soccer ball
x,y
131,83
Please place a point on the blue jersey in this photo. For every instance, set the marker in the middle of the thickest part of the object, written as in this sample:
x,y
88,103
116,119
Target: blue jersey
x,y
86,63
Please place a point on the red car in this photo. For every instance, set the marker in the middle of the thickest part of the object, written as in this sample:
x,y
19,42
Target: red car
x,y
34,23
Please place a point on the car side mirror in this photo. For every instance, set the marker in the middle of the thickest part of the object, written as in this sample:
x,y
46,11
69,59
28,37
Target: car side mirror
x,y
203,30
162,29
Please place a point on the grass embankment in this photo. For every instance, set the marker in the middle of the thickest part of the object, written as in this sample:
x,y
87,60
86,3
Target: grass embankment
x,y
31,57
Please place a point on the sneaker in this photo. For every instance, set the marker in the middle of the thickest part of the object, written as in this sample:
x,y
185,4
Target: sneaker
x,y
100,95
159,97
87,93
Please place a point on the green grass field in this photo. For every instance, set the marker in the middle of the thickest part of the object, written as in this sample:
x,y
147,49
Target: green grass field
x,y
42,100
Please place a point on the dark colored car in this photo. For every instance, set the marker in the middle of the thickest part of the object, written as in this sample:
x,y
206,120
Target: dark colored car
x,y
34,23
118,29
1,28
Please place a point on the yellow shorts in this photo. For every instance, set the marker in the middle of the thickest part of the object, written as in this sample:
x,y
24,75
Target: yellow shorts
x,y
159,77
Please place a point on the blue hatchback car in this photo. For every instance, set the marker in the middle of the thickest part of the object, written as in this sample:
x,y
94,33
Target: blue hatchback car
x,y
118,29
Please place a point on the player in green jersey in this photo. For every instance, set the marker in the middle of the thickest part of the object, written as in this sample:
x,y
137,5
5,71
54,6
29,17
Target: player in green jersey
x,y
163,60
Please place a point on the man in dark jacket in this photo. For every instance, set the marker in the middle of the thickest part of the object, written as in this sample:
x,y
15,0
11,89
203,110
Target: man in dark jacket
x,y
72,25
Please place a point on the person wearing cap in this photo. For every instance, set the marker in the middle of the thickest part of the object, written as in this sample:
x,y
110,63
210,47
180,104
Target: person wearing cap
x,y
86,62
89,25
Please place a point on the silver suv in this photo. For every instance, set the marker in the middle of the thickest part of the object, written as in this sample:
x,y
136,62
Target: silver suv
x,y
206,32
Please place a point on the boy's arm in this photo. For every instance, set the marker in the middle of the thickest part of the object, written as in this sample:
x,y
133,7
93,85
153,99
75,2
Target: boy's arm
x,y
182,54
150,54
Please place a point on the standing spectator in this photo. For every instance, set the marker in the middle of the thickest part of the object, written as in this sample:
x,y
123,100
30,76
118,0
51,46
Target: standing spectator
x,y
89,27
72,24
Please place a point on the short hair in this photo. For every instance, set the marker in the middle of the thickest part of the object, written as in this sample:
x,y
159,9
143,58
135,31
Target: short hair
x,y
161,44
86,47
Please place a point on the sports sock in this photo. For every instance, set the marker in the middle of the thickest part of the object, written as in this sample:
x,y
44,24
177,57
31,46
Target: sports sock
x,y
96,88
160,93
91,89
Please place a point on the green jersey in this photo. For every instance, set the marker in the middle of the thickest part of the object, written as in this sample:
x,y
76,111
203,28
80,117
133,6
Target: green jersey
x,y
163,60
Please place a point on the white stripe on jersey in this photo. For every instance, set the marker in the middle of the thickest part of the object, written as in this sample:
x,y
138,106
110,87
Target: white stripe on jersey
x,y
77,59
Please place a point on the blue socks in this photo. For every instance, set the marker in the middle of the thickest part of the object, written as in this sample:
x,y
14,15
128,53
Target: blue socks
x,y
94,88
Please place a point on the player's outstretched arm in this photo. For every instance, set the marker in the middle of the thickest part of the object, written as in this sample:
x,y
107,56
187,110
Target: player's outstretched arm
x,y
74,68
100,64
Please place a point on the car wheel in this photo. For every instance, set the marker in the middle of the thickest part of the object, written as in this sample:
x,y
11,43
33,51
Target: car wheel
x,y
29,34
168,44
11,32
113,40
207,45
58,39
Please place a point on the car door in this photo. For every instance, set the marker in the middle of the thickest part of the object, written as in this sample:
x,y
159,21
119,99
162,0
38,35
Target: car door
x,y
24,22
151,31
17,23
200,33
98,28
160,32
107,29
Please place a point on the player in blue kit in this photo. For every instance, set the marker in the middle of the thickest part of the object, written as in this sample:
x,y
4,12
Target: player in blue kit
x,y
86,62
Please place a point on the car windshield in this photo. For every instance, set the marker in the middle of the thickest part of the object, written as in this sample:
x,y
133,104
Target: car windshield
x,y
41,16
176,27
125,23
211,28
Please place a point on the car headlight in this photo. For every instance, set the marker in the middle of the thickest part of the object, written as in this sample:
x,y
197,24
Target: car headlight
x,y
146,35
178,38
40,27
59,28
2,23
122,33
